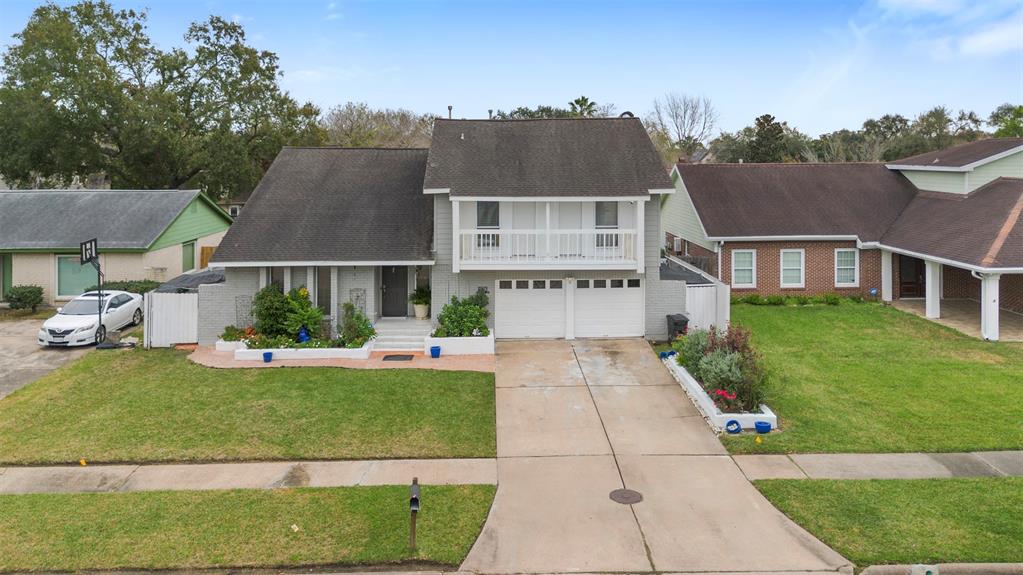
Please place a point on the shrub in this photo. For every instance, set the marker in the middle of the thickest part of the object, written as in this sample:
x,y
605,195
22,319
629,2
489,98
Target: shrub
x,y
754,299
691,349
25,297
735,339
270,308
802,300
261,341
356,328
421,296
133,286
832,298
856,298
727,366
721,370
776,300
302,313
464,318
232,333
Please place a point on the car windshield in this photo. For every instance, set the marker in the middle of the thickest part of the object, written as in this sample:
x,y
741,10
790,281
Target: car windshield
x,y
81,307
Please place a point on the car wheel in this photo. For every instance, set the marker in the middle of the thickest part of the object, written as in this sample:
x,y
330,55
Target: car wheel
x,y
101,334
137,318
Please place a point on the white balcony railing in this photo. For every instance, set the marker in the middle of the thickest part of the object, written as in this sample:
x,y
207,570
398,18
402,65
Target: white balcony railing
x,y
555,247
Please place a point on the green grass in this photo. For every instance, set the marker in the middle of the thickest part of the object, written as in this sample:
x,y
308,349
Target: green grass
x,y
156,405
194,529
7,314
869,378
908,521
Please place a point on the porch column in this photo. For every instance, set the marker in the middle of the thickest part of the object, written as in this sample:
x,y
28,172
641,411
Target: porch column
x,y
886,276
933,281
287,279
263,273
547,231
989,306
456,236
640,220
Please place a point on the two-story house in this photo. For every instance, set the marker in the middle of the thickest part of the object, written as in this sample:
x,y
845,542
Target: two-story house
x,y
558,220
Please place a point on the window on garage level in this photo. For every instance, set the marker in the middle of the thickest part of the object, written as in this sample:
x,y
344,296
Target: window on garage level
x,y
539,284
634,283
583,284
847,268
793,272
617,283
600,283
555,284
744,268
505,284
521,284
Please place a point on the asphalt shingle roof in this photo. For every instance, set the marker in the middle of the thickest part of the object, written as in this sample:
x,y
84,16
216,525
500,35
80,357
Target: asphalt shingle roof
x,y
581,157
753,200
983,228
961,155
62,219
335,204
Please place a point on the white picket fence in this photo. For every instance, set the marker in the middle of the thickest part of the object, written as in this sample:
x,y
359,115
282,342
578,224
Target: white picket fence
x,y
708,304
171,318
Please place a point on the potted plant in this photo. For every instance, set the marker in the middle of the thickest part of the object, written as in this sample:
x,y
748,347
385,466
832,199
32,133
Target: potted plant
x,y
421,302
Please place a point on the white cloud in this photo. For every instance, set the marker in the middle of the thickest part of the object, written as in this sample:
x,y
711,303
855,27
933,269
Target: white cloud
x,y
998,38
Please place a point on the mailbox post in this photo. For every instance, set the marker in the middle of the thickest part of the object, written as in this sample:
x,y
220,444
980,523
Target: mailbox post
x,y
413,505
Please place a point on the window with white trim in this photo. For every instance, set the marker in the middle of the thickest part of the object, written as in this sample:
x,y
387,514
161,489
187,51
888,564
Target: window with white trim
x,y
847,267
793,268
744,268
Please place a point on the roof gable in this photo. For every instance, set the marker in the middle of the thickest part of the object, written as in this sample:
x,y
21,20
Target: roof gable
x,y
581,157
961,158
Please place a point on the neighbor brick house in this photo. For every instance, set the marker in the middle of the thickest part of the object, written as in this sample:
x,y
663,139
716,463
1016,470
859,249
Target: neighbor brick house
x,y
944,224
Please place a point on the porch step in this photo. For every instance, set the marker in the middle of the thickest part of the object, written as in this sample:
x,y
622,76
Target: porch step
x,y
399,346
390,338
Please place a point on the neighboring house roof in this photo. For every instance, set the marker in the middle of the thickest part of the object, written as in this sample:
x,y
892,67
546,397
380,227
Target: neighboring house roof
x,y
580,157
790,200
335,205
62,219
962,156
983,228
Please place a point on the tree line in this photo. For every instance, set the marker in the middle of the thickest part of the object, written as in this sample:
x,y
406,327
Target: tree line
x,y
84,91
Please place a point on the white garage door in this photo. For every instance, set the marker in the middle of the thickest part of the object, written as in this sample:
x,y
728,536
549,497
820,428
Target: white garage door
x,y
609,308
530,308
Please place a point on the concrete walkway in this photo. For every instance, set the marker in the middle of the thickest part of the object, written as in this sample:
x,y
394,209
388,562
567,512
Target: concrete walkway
x,y
270,475
882,465
22,361
577,420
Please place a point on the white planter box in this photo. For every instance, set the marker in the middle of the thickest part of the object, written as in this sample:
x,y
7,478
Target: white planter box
x,y
308,353
230,345
710,410
461,345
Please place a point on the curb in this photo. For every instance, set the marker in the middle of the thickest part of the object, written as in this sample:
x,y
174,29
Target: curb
x,y
950,569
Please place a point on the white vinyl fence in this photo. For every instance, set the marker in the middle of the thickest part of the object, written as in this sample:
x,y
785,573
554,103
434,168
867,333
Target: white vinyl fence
x,y
708,304
171,318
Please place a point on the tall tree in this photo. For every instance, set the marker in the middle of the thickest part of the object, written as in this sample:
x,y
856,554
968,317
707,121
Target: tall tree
x,y
356,125
768,144
1007,120
85,92
583,107
681,124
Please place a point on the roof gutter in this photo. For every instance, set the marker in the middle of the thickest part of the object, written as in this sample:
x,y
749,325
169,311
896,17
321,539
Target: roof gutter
x,y
297,263
943,261
811,238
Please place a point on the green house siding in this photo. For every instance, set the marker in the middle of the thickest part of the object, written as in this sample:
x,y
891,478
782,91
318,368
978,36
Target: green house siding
x,y
198,219
1007,167
948,182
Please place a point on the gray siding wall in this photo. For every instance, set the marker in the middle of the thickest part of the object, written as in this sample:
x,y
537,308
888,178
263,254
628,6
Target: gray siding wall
x,y
662,297
219,303
365,278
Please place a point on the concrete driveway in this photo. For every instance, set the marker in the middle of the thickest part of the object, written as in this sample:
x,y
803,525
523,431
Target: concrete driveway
x,y
577,420
22,361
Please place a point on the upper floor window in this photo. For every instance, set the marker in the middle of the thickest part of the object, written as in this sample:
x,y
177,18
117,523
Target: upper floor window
x,y
793,271
847,268
607,214
488,215
744,268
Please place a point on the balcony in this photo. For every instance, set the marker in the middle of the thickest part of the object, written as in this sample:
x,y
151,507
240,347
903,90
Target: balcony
x,y
489,249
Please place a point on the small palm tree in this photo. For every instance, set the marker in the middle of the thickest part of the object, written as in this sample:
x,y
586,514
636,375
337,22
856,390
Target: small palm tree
x,y
583,107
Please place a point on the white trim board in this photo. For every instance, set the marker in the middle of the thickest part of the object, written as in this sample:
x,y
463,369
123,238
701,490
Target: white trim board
x,y
550,198
319,264
781,238
944,261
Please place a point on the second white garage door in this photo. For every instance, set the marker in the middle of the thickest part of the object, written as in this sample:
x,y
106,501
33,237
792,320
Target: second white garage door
x,y
534,308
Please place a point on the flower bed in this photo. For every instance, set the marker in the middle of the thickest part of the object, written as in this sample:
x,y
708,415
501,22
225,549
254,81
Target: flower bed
x,y
461,345
307,352
723,375
462,327
223,345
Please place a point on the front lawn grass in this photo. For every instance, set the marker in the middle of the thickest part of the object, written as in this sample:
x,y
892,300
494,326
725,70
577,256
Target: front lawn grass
x,y
156,405
260,528
8,314
908,521
869,378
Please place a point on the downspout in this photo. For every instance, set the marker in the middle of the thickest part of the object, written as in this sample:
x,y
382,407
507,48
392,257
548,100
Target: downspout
x,y
721,247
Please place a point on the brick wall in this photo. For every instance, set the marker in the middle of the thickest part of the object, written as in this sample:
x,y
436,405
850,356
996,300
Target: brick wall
x,y
1011,292
959,284
819,268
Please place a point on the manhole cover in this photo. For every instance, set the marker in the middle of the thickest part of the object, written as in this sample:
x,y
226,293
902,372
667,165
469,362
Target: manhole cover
x,y
626,496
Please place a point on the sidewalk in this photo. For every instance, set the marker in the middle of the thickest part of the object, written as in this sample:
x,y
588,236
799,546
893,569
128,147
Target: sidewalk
x,y
269,475
881,465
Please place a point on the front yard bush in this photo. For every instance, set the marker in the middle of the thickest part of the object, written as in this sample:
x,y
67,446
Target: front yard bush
x,y
356,328
270,308
25,297
464,317
302,313
131,286
726,365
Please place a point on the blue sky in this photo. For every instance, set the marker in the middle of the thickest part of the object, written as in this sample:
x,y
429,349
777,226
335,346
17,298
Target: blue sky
x,y
820,65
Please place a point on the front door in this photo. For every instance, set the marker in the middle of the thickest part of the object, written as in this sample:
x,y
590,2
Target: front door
x,y
394,285
911,277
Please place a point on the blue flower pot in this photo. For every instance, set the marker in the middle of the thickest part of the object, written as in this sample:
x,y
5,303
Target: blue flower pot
x,y
663,354
267,356
733,426
762,426
435,351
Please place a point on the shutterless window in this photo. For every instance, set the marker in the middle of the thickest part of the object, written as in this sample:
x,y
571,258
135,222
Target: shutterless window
x,y
277,277
744,264
521,284
792,268
505,284
600,283
539,284
633,283
582,284
555,284
847,264
323,290
617,283
607,214
73,277
488,215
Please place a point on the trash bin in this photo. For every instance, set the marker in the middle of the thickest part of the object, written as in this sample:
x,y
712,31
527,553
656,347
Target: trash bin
x,y
678,324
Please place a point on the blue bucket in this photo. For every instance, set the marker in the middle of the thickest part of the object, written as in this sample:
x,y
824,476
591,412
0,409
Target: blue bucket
x,y
762,426
267,356
435,351
733,426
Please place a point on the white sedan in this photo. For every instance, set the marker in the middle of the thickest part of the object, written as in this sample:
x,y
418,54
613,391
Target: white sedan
x,y
76,323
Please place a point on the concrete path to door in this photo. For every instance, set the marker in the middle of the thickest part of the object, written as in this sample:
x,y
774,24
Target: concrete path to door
x,y
577,420
22,361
